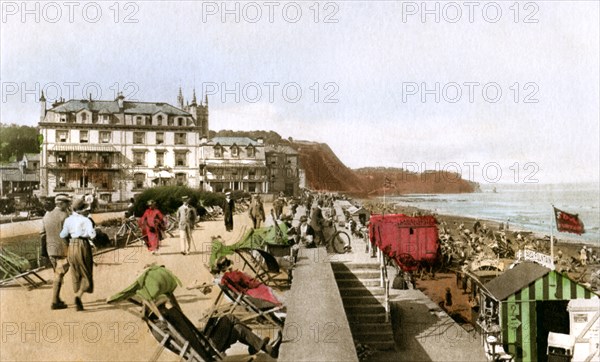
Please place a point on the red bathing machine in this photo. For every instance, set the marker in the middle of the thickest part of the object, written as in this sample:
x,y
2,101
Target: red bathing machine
x,y
411,241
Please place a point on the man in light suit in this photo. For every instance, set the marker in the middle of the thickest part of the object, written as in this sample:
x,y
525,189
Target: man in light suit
x,y
56,247
186,216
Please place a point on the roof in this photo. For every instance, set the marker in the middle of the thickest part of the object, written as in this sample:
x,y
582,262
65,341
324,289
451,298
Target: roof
x,y
281,149
82,147
515,279
32,156
110,107
229,141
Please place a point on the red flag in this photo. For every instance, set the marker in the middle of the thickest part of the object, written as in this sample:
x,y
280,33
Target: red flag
x,y
569,223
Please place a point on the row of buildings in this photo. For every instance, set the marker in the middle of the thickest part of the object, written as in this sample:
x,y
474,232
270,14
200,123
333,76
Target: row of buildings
x,y
119,148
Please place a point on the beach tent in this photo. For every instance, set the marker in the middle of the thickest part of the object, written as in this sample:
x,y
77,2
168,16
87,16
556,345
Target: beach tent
x,y
529,301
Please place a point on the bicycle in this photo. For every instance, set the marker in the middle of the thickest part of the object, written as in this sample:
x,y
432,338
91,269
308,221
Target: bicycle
x,y
171,223
129,230
339,241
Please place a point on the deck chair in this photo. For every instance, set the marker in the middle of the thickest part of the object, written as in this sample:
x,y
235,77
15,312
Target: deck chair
x,y
266,268
250,305
174,331
16,268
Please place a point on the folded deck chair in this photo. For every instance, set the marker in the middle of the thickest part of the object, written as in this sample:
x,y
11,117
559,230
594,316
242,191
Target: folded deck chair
x,y
251,301
14,268
173,330
266,268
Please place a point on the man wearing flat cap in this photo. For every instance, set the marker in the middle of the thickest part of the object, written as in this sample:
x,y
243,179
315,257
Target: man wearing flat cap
x,y
186,217
79,231
56,247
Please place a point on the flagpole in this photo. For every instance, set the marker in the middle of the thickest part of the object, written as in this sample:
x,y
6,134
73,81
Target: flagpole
x,y
552,221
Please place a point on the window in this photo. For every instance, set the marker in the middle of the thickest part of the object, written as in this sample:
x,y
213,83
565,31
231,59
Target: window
x,y
159,120
235,152
83,117
62,136
252,174
83,136
138,138
63,118
139,179
218,151
105,158
290,172
180,179
105,137
251,151
181,158
180,121
149,121
273,172
105,119
160,158
138,120
139,158
170,121
160,138
61,159
180,138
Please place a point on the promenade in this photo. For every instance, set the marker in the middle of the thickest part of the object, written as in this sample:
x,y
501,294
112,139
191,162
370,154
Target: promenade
x,y
31,331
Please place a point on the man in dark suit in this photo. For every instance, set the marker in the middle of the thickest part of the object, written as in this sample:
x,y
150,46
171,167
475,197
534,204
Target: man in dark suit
x,y
317,220
228,209
56,247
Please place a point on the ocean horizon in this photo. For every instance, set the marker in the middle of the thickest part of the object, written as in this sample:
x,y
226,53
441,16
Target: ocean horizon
x,y
523,206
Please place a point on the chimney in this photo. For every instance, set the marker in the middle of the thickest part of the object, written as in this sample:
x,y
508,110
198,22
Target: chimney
x,y
260,140
119,100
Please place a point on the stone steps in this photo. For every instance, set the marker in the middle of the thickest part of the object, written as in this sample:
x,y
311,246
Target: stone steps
x,y
363,302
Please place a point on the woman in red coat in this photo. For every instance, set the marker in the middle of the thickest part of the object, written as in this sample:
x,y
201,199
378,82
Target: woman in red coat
x,y
152,226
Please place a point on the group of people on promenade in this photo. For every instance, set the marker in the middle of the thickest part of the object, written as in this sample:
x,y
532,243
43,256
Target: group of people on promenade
x,y
68,234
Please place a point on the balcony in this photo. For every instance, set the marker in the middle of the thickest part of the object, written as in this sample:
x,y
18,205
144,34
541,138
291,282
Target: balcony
x,y
80,166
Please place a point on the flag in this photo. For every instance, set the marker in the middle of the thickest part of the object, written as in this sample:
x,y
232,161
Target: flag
x,y
569,223
388,183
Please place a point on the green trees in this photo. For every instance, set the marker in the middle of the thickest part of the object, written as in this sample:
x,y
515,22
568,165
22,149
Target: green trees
x,y
17,140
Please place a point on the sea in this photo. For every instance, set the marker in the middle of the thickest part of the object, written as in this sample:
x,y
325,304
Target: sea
x,y
523,206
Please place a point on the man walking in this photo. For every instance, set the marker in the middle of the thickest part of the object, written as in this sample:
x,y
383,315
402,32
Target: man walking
x,y
256,211
279,204
228,209
186,215
78,229
56,247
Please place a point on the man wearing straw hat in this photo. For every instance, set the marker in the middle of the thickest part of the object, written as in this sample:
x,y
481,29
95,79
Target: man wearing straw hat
x,y
79,230
186,216
56,247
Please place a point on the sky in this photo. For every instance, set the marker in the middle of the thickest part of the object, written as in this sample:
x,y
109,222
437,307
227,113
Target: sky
x,y
501,92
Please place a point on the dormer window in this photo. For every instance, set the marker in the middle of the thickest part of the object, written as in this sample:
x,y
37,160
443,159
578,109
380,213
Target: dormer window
x,y
218,151
180,121
250,151
83,117
159,120
138,120
170,121
235,152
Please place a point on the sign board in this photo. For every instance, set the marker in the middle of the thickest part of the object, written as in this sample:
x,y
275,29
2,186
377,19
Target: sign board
x,y
534,256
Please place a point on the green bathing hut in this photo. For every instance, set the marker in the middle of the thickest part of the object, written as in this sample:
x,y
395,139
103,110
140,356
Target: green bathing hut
x,y
532,301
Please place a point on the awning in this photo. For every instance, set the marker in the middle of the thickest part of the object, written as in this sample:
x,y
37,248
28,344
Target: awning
x,y
82,147
163,174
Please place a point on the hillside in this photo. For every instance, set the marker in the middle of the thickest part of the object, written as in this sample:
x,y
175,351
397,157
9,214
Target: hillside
x,y
324,171
400,181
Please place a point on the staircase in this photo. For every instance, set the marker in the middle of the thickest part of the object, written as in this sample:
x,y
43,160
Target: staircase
x,y
363,300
